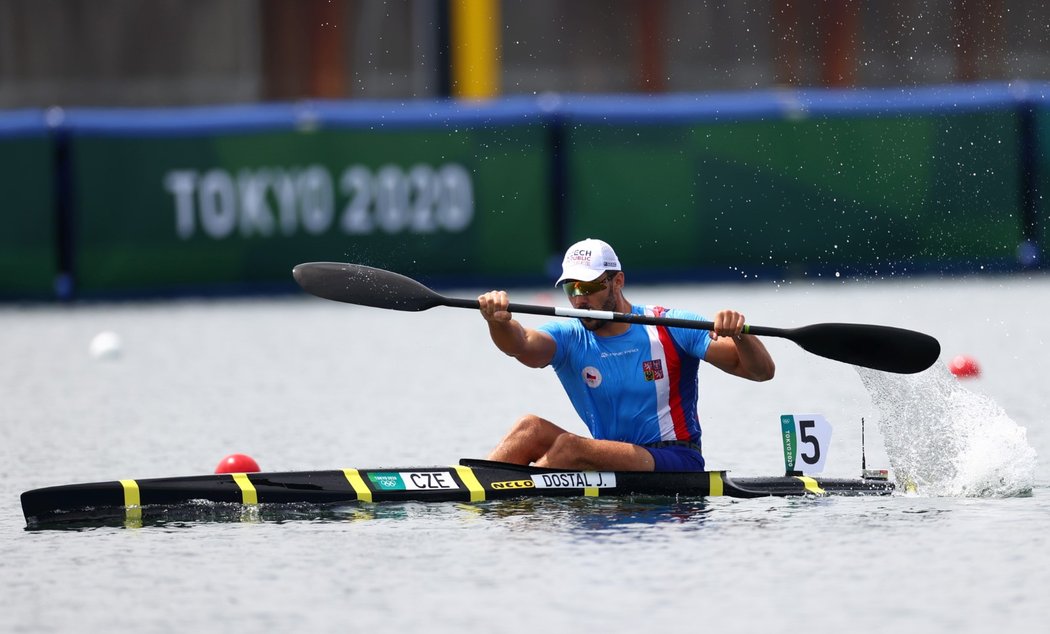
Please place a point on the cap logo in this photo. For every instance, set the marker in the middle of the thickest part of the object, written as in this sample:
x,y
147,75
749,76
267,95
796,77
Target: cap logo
x,y
579,255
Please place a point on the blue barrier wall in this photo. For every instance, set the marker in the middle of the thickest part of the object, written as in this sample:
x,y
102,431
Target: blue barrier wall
x,y
705,186
29,239
221,198
791,183
1037,193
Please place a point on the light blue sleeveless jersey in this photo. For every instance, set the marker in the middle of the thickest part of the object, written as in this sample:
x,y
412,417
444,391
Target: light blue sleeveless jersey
x,y
638,387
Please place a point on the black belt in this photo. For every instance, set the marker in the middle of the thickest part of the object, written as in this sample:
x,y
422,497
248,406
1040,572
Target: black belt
x,y
674,443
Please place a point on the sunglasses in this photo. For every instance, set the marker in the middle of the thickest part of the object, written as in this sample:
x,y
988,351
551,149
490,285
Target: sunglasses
x,y
576,289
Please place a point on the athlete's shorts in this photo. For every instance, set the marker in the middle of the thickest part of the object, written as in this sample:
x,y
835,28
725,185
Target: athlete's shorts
x,y
684,457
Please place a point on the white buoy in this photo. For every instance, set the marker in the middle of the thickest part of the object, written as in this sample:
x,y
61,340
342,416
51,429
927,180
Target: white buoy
x,y
105,345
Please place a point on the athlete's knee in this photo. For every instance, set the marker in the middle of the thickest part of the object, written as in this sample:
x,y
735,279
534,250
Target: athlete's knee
x,y
528,425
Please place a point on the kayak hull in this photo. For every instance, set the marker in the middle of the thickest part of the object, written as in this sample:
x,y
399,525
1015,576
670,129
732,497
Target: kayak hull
x,y
469,481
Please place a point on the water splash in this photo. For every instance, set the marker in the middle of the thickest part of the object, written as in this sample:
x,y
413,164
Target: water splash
x,y
946,440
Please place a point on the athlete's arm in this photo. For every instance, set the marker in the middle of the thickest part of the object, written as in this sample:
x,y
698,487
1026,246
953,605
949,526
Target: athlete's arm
x,y
736,353
531,347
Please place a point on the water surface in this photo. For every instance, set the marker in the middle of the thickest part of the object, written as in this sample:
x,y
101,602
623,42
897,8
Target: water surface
x,y
301,383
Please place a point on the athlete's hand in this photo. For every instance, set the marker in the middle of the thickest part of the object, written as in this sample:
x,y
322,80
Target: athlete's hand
x,y
493,306
728,323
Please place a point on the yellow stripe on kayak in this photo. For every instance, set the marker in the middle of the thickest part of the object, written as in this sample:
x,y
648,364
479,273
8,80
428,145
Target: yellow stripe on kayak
x,y
248,492
466,474
132,504
131,493
811,485
356,481
591,492
716,487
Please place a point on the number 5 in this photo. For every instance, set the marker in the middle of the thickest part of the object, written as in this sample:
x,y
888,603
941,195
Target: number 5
x,y
804,426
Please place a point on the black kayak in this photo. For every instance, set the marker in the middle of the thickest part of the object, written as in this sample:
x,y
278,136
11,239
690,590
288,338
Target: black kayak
x,y
469,481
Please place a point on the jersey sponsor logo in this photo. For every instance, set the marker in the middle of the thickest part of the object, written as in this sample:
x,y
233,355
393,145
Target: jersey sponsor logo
x,y
412,480
514,484
575,480
618,353
653,370
591,376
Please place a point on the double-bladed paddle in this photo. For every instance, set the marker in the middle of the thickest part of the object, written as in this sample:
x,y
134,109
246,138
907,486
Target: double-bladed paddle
x,y
877,347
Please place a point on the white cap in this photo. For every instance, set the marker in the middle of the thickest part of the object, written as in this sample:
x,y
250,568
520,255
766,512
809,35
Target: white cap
x,y
587,260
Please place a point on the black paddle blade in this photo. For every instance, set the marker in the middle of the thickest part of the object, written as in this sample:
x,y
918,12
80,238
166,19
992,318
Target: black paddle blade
x,y
878,347
364,286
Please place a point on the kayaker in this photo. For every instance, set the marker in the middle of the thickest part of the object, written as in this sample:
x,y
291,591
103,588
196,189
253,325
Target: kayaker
x,y
635,386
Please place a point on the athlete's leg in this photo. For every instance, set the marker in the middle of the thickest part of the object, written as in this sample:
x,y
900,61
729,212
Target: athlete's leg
x,y
570,451
536,440
527,441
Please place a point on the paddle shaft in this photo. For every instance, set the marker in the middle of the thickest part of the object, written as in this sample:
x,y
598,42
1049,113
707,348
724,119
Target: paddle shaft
x,y
878,347
630,318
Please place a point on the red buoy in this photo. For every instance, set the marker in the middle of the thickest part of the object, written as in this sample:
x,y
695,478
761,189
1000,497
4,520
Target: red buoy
x,y
237,463
964,367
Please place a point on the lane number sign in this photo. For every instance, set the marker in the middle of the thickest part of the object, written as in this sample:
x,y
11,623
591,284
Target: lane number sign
x,y
807,438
